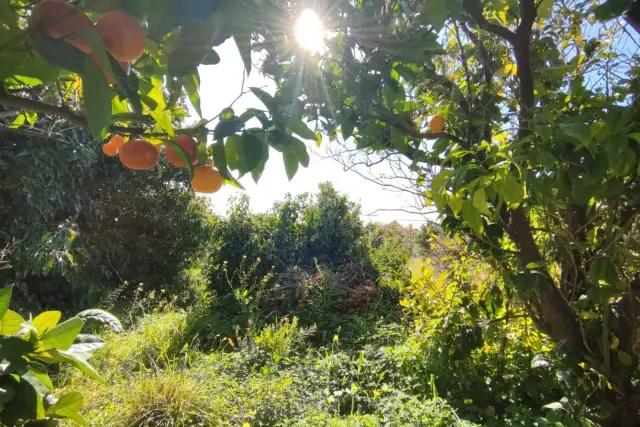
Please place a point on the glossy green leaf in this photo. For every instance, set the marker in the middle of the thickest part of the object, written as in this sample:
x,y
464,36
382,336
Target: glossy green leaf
x,y
480,202
290,162
11,323
301,152
255,151
472,216
455,204
603,271
435,13
578,131
80,364
511,191
545,8
46,321
265,98
97,99
63,335
68,406
301,129
347,127
611,9
191,85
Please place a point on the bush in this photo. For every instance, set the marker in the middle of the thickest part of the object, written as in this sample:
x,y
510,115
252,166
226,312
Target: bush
x,y
80,226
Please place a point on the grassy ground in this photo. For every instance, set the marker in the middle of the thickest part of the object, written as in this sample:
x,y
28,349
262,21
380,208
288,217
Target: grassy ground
x,y
155,376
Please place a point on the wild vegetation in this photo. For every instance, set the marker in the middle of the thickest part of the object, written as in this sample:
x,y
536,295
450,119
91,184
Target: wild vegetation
x,y
515,121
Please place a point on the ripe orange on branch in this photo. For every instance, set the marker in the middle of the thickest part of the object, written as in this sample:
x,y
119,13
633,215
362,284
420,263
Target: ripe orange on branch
x,y
188,144
122,35
62,20
437,124
207,179
114,145
139,154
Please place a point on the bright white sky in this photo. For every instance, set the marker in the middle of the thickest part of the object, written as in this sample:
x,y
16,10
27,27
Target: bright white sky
x,y
220,85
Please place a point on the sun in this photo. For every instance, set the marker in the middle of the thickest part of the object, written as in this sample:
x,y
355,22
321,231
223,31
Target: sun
x,y
309,31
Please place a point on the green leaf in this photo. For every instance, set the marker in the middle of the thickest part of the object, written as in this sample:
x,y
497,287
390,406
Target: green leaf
x,y
193,46
102,317
301,129
243,42
97,99
611,9
394,95
578,131
455,204
290,162
45,321
265,98
472,216
234,153
602,270
227,114
5,298
255,150
175,91
347,127
511,191
11,323
62,336
192,88
68,407
220,160
40,372
435,13
95,41
226,128
78,363
301,152
625,358
545,8
480,202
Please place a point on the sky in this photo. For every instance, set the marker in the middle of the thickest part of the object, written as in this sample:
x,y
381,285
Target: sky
x,y
220,85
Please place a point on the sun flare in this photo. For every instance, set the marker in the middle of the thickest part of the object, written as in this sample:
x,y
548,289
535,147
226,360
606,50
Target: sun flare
x,y
309,31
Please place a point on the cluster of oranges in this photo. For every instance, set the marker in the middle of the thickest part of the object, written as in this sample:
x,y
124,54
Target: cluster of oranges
x,y
121,34
138,154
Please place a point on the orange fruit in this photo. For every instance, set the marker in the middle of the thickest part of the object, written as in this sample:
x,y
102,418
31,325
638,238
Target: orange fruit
x,y
109,150
117,141
139,154
437,124
122,35
189,145
206,179
61,20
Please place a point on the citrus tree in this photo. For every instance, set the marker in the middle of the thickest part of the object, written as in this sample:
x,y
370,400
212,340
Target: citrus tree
x,y
518,118
124,70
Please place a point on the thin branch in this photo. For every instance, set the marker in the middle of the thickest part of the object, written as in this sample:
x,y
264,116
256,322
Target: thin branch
x,y
474,9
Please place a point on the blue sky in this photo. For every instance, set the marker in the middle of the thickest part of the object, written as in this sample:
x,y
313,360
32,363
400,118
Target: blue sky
x,y
220,85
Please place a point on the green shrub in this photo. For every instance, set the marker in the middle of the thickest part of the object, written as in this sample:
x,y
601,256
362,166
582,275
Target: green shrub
x,y
81,227
29,349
